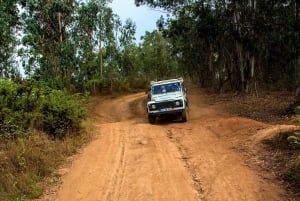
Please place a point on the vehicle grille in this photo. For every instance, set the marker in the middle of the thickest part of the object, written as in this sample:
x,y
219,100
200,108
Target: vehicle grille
x,y
167,104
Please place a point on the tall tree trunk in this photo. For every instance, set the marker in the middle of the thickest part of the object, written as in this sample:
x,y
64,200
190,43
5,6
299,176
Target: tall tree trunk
x,y
239,48
210,54
297,60
60,27
63,73
101,60
297,97
100,50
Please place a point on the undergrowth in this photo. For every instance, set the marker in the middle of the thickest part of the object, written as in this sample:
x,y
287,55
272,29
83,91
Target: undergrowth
x,y
39,127
287,148
26,162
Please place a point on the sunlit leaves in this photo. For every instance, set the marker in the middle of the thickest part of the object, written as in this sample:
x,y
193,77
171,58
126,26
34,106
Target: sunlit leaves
x,y
8,26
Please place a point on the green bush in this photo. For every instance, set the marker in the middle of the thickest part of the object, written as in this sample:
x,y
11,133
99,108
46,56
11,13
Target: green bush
x,y
95,86
139,84
34,105
62,113
19,105
115,86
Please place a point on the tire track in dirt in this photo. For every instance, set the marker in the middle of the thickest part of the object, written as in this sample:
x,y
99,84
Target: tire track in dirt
x,y
186,160
136,161
131,160
118,176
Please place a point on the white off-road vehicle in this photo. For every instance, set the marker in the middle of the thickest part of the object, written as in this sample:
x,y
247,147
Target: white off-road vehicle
x,y
167,98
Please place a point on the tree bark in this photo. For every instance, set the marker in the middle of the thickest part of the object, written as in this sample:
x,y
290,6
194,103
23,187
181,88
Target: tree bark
x,y
60,27
239,48
297,62
297,97
101,60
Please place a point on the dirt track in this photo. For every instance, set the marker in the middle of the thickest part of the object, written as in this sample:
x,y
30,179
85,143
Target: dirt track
x,y
212,157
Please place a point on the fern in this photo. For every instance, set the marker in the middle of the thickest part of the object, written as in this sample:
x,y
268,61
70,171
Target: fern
x,y
294,139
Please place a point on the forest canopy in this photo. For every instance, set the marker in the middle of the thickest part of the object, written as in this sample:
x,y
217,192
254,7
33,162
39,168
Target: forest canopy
x,y
82,45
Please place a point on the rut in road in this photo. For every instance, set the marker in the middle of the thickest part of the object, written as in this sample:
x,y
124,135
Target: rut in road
x,y
203,159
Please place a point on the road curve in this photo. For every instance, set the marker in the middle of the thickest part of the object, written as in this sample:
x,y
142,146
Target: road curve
x,y
206,158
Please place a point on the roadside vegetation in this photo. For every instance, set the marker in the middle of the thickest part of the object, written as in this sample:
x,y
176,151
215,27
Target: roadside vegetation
x,y
69,50
39,128
283,158
282,151
285,154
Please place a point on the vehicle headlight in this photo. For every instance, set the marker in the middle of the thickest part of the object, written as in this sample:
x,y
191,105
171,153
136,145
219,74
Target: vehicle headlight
x,y
177,103
153,107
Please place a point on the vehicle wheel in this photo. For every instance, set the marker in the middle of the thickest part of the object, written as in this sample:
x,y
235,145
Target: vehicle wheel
x,y
184,115
151,119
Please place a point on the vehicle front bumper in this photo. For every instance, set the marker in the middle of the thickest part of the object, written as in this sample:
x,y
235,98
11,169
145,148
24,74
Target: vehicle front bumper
x,y
166,111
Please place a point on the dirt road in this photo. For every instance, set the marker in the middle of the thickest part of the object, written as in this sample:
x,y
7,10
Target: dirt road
x,y
212,157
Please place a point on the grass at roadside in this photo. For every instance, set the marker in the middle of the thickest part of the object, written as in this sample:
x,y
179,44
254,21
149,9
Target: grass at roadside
x,y
269,107
284,158
26,162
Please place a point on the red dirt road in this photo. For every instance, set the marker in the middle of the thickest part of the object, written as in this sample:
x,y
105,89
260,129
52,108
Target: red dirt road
x,y
212,157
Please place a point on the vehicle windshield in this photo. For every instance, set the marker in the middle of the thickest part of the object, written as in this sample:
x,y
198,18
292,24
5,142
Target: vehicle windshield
x,y
166,88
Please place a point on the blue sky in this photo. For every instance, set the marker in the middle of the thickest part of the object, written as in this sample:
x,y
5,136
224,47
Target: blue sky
x,y
144,17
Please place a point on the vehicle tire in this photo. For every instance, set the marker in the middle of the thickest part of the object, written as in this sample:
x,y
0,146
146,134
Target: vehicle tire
x,y
184,116
151,119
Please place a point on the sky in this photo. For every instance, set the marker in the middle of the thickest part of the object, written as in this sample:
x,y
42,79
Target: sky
x,y
144,17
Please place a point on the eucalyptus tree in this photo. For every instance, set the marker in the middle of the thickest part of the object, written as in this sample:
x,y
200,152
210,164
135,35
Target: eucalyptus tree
x,y
89,35
295,14
236,41
156,57
46,40
191,36
167,4
112,54
9,25
128,50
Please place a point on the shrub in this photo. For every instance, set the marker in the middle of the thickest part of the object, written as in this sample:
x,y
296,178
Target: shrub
x,y
33,105
12,120
62,113
294,139
286,146
96,86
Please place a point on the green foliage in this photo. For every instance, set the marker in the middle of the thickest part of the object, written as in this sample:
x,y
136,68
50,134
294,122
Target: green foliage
x,y
32,105
254,41
168,4
62,113
155,57
294,139
15,104
9,21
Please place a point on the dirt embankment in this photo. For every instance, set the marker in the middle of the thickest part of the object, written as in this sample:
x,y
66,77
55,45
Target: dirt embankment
x,y
212,157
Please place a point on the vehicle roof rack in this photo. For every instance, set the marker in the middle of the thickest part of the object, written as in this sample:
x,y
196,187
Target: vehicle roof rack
x,y
166,81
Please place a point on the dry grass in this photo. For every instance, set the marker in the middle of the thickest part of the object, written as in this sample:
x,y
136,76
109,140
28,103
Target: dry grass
x,y
26,162
269,107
